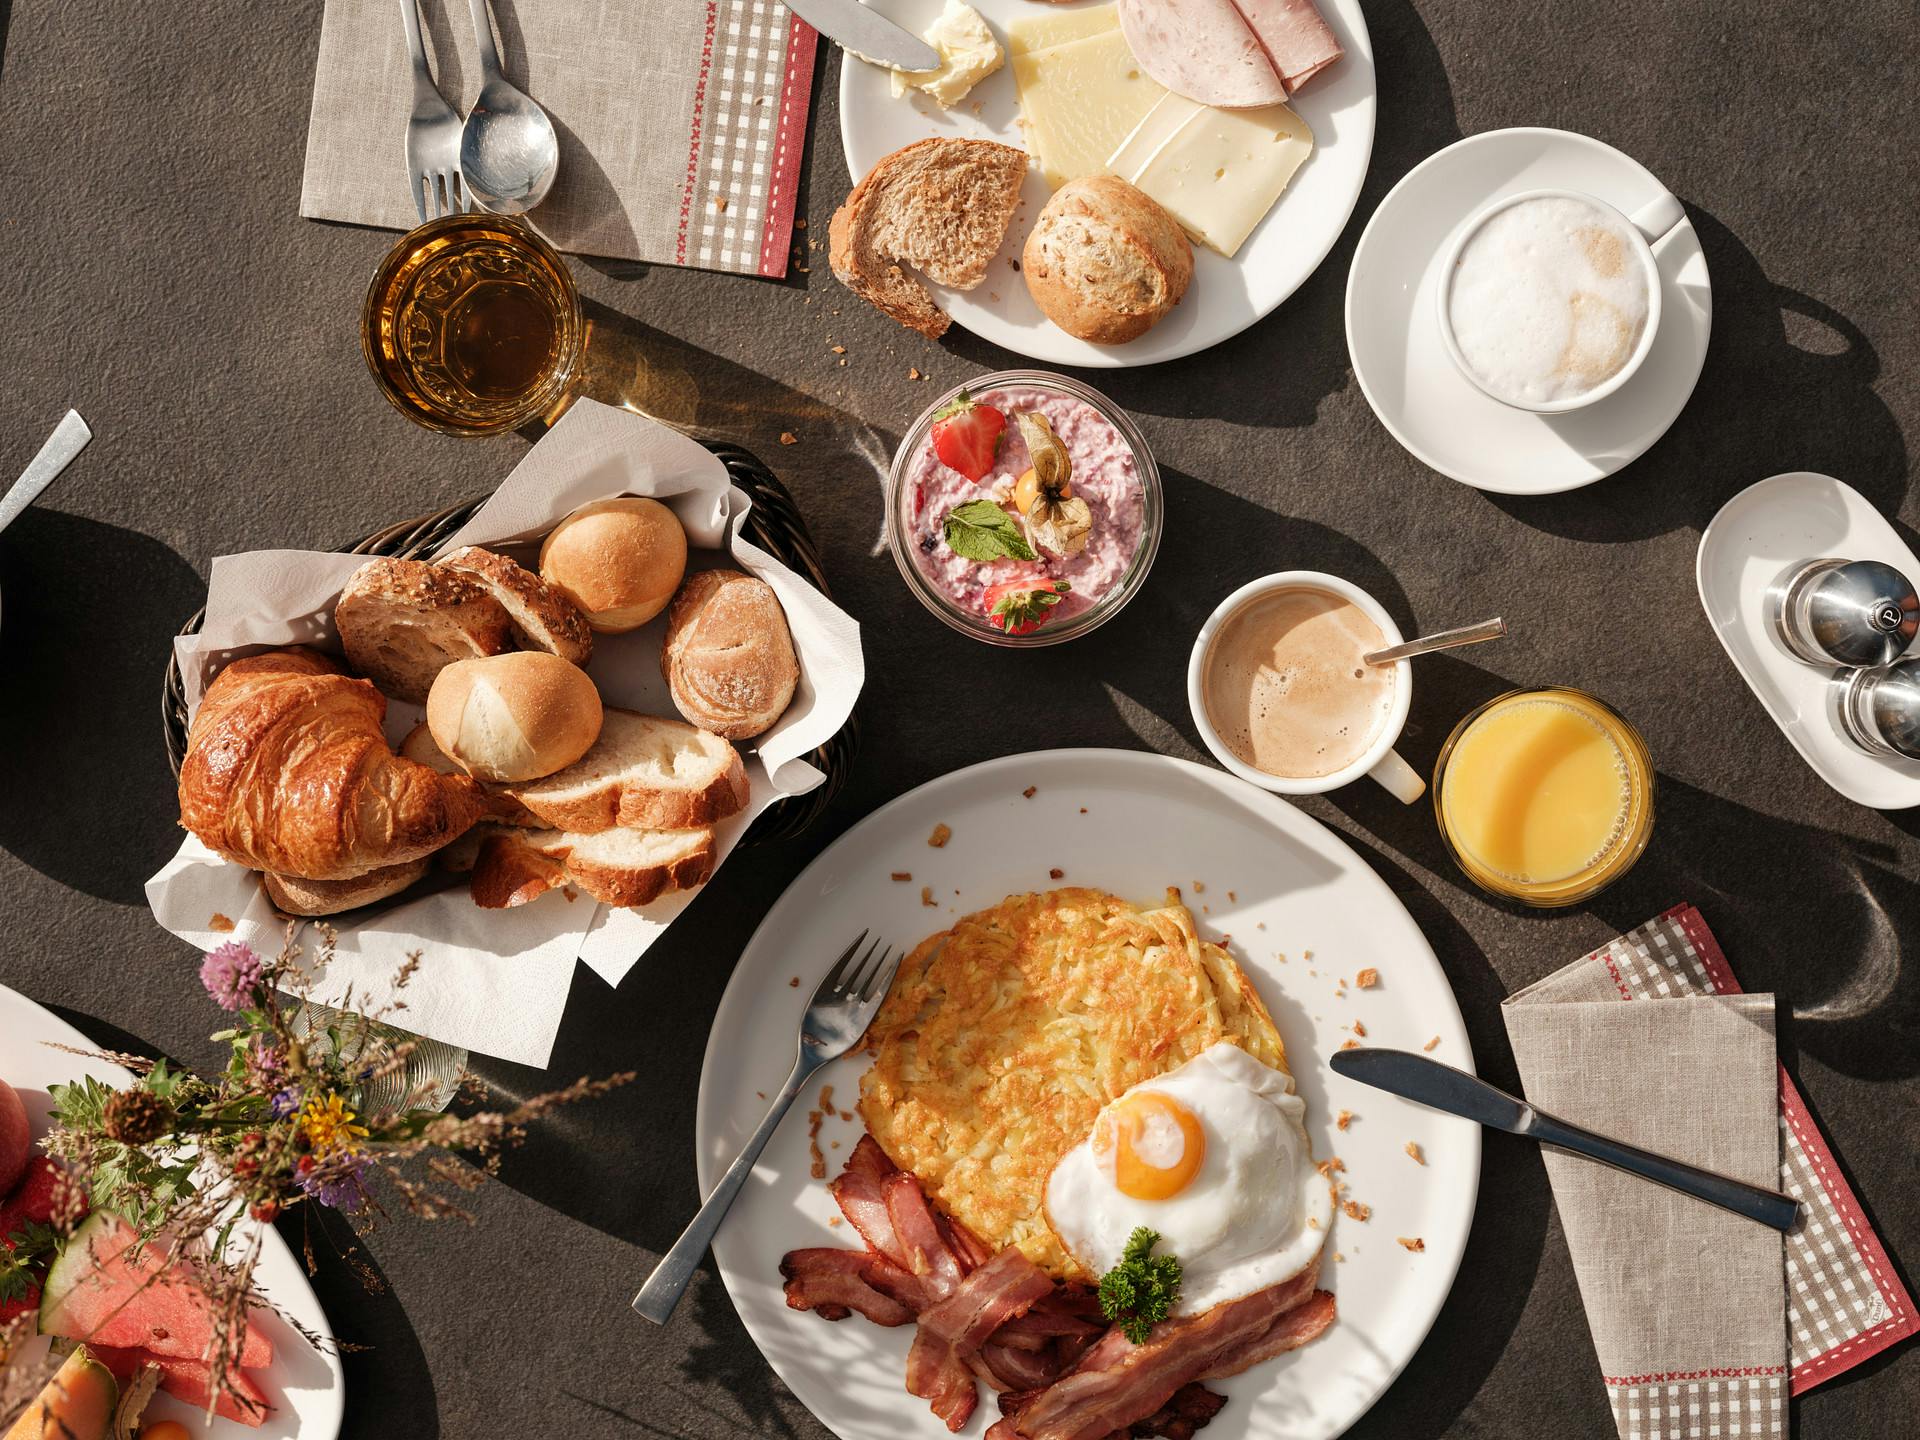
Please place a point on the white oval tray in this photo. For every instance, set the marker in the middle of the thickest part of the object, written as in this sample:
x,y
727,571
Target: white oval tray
x,y
1756,535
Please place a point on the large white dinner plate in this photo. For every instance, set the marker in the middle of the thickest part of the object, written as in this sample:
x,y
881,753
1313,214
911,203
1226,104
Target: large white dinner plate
x,y
1393,330
1226,295
306,1386
1132,823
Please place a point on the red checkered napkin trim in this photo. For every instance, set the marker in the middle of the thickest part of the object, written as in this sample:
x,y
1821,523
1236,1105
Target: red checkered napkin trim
x,y
1844,1301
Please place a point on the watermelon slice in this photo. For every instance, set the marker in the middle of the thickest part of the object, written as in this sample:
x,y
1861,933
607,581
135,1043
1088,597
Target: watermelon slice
x,y
98,1293
77,1404
191,1381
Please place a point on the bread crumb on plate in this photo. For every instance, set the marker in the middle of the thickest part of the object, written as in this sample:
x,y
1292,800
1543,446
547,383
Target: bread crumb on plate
x,y
1431,1043
1346,1119
1414,1151
1367,978
941,834
1412,1242
903,877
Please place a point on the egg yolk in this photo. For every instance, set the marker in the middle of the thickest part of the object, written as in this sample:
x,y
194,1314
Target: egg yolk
x,y
1150,1144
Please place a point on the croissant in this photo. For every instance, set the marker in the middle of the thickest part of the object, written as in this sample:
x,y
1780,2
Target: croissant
x,y
288,770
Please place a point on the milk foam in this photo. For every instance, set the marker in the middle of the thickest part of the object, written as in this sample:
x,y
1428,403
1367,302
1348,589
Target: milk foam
x,y
1549,299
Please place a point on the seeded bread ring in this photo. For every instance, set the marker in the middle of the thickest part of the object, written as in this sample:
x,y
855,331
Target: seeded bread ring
x,y
404,621
542,618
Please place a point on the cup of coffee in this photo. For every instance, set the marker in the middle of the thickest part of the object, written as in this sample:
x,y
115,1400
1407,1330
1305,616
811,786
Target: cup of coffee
x,y
1550,299
1282,696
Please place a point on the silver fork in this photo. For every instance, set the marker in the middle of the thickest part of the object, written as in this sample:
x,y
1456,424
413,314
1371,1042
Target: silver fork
x,y
433,134
836,1018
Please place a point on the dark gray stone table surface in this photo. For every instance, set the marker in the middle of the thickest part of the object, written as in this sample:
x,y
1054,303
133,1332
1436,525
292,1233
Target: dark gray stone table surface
x,y
153,273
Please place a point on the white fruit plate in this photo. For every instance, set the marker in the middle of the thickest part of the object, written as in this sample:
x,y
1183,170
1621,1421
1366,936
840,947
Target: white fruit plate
x,y
1226,295
1253,868
305,1386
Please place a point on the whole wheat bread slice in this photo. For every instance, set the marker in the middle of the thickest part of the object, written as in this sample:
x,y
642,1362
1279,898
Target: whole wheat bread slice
x,y
645,772
619,867
940,205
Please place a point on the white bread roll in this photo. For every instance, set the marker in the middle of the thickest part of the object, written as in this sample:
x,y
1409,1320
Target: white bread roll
x,y
513,717
728,657
619,560
1104,261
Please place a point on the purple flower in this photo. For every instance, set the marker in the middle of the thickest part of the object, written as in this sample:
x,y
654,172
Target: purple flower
x,y
266,1062
231,973
284,1102
339,1182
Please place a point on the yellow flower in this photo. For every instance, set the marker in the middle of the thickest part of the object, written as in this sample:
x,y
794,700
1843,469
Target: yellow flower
x,y
330,1127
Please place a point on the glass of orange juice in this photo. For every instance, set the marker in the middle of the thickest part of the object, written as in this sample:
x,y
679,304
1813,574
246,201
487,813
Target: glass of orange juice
x,y
1544,796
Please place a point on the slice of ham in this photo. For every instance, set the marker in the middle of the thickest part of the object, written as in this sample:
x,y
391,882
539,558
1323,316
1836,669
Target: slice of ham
x,y
1203,49
1118,1383
1297,40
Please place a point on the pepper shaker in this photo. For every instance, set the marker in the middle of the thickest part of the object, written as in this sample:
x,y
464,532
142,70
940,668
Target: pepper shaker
x,y
1855,613
1879,709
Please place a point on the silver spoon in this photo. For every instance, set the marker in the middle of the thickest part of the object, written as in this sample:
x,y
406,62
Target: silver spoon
x,y
508,151
1445,640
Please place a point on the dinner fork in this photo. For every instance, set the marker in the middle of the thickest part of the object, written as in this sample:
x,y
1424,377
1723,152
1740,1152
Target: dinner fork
x,y
433,134
836,1018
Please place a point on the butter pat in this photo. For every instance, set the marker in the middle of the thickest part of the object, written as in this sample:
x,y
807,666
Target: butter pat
x,y
1218,172
1081,91
968,54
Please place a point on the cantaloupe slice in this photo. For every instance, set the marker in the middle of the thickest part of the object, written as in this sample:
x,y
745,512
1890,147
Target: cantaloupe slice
x,y
78,1403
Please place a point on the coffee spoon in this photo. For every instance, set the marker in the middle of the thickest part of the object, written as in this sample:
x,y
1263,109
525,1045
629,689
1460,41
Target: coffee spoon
x,y
508,151
1445,640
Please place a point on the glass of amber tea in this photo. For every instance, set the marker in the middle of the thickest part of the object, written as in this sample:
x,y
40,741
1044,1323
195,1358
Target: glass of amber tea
x,y
472,325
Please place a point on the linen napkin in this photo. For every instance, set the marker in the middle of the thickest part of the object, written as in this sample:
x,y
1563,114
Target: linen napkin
x,y
681,122
496,981
1704,1323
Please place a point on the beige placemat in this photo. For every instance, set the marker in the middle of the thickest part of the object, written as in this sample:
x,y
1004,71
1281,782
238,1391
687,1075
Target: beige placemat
x,y
681,122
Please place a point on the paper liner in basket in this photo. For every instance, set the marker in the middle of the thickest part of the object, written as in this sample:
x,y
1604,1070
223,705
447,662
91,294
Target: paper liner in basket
x,y
495,981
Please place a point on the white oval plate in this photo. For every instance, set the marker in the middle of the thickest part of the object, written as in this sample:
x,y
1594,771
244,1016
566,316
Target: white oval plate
x,y
1393,333
1149,821
1226,295
306,1386
1755,537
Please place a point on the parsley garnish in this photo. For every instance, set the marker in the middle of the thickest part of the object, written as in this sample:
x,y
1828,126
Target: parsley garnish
x,y
1141,1290
981,530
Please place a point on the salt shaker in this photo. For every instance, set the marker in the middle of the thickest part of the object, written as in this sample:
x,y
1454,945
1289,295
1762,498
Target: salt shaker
x,y
1856,613
1879,709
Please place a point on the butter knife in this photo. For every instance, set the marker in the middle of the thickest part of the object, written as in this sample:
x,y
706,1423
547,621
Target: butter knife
x,y
1428,1082
867,34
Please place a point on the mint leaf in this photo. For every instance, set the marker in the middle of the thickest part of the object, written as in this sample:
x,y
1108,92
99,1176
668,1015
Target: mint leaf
x,y
980,530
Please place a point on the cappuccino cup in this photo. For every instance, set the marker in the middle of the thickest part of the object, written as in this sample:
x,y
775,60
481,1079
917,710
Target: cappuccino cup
x,y
1550,299
1282,697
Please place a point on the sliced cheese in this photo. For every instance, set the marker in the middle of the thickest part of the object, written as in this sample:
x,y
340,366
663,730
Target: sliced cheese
x,y
1079,100
968,54
1041,32
1218,172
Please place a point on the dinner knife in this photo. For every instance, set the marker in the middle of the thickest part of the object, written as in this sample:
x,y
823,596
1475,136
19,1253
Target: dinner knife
x,y
1428,1082
867,34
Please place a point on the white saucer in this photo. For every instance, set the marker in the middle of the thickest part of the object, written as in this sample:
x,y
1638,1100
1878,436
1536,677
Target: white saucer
x,y
1756,536
1395,341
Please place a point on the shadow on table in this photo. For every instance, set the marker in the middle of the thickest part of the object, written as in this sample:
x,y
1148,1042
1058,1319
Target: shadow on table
x,y
90,611
386,1368
1298,357
1788,385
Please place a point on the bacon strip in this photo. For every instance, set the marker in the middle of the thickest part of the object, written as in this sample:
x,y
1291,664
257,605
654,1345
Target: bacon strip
x,y
834,1283
1006,1286
919,1235
939,1376
857,1191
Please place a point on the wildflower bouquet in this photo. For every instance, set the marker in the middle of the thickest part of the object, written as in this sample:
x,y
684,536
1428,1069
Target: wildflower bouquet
x,y
296,1118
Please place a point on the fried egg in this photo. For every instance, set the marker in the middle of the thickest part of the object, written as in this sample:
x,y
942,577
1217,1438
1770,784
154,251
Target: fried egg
x,y
1214,1157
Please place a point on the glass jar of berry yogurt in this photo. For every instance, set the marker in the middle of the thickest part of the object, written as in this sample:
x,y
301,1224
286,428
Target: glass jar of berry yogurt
x,y
1025,508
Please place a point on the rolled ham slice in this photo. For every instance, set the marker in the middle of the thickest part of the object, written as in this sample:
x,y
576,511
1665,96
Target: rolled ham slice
x,y
1202,49
1294,36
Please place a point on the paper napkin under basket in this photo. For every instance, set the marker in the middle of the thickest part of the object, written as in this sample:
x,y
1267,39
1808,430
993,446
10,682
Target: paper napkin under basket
x,y
1704,1322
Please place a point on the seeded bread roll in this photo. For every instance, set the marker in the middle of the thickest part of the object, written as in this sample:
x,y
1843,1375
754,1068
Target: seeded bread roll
x,y
514,717
619,560
542,618
1105,262
402,622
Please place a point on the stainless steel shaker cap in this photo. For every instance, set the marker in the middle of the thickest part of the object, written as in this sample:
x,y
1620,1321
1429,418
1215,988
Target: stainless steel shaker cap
x,y
1880,709
1858,613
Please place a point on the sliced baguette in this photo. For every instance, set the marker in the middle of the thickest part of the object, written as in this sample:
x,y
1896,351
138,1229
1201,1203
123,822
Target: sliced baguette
x,y
940,205
619,867
295,896
421,748
645,772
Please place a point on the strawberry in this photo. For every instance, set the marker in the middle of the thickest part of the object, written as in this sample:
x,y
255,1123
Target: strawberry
x,y
29,1301
35,1198
966,435
1020,607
